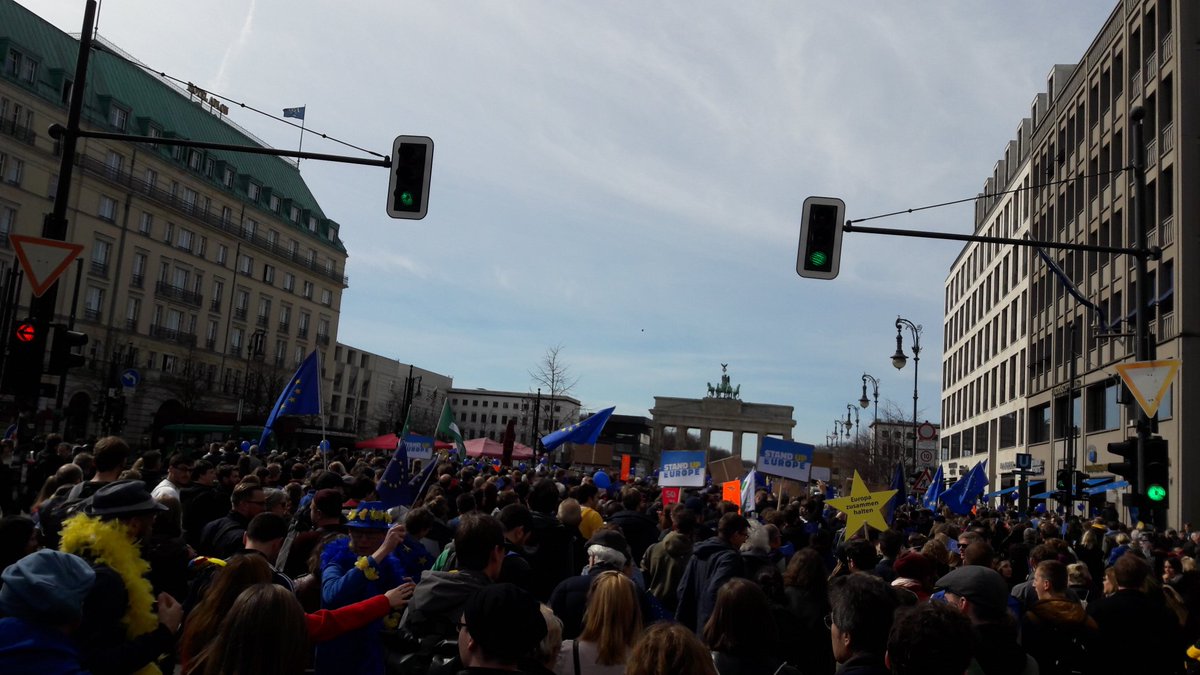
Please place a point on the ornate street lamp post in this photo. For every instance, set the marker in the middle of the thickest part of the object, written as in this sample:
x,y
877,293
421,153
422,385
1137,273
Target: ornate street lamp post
x,y
898,360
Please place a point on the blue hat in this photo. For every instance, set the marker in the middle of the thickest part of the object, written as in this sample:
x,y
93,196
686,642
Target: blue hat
x,y
47,587
369,516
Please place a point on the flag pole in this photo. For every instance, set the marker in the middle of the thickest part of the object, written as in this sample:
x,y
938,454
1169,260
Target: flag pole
x,y
301,148
321,409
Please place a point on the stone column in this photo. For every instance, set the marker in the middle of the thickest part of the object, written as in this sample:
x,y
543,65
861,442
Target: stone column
x,y
705,438
737,443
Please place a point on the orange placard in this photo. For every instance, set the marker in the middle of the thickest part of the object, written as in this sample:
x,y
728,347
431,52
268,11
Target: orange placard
x,y
625,464
732,492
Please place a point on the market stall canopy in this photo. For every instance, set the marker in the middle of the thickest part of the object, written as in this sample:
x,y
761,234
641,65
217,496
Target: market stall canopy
x,y
388,442
486,447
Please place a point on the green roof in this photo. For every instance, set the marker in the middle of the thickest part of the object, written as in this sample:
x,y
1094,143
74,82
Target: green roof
x,y
113,79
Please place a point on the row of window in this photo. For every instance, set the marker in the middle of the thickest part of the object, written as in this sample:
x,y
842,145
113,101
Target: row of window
x,y
501,405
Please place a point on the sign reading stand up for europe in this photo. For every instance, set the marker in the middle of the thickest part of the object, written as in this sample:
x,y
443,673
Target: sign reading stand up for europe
x,y
786,459
682,468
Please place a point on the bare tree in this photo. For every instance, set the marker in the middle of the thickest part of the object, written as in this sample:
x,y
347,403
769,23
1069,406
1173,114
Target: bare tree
x,y
553,375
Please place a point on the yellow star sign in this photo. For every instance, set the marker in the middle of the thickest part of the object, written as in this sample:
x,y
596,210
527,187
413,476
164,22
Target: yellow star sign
x,y
862,507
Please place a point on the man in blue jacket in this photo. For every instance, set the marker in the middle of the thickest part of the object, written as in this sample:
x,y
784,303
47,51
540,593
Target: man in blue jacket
x,y
714,561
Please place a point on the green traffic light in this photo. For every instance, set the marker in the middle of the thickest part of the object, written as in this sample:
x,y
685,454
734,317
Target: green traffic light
x,y
817,258
1156,493
406,198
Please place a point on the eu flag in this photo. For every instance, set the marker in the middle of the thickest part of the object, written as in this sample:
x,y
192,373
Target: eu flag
x,y
934,492
962,495
901,495
301,396
585,432
298,113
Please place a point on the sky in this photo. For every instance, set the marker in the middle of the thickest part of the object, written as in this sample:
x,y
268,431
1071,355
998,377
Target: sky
x,y
625,179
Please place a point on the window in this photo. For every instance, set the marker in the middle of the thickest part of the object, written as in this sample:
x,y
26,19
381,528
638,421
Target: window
x,y
227,177
269,274
169,233
195,159
246,265
210,165
285,316
326,297
289,282
293,246
12,169
113,163
252,190
218,290
323,327
1039,423
101,250
312,223
272,237
139,269
181,278
118,117
222,254
146,223
294,214
249,229
264,308
93,302
308,290
274,203
132,308
226,215
184,241
108,209
303,325
8,219
203,247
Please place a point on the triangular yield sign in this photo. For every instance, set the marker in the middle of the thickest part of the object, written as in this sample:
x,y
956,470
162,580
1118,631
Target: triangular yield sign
x,y
43,260
1148,381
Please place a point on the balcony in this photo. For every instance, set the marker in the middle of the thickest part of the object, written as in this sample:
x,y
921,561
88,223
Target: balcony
x,y
11,128
1168,49
173,335
235,350
210,344
261,321
1168,138
1151,67
1151,152
93,315
137,281
1135,84
171,292
215,306
1167,231
239,313
131,325
284,326
322,340
156,194
302,333
99,269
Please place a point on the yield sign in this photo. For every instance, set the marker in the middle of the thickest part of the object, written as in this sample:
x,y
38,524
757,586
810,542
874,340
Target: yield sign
x,y
1148,381
43,260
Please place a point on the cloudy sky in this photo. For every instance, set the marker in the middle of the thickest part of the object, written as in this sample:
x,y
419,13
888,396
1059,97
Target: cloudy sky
x,y
625,178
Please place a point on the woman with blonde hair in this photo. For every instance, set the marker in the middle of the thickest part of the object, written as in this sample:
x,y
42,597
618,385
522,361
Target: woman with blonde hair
x,y
611,625
670,649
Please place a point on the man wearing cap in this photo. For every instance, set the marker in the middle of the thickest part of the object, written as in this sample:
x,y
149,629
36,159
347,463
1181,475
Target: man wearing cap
x,y
42,600
982,594
357,568
500,625
120,632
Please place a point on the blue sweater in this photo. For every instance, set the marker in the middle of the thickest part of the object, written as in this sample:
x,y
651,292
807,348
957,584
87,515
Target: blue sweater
x,y
27,647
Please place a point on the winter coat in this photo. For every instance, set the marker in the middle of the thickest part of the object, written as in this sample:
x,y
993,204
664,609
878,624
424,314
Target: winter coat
x,y
552,554
27,647
438,601
812,639
222,538
640,530
997,651
713,563
1130,617
1059,633
662,567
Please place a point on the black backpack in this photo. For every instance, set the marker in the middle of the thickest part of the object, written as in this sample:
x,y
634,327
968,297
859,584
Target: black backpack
x,y
57,510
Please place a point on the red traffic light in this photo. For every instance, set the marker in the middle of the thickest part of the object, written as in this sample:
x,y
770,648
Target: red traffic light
x,y
25,332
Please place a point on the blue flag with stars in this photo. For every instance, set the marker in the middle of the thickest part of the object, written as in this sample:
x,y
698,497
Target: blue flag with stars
x,y
297,113
301,396
585,432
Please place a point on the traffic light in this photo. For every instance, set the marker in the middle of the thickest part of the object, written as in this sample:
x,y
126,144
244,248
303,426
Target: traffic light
x,y
62,356
408,190
1126,469
1080,484
23,362
1062,481
1158,473
820,237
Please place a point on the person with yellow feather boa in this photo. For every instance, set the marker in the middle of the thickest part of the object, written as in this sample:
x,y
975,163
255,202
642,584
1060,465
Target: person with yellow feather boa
x,y
120,632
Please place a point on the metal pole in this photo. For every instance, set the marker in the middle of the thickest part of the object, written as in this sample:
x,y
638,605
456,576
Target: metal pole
x,y
1143,346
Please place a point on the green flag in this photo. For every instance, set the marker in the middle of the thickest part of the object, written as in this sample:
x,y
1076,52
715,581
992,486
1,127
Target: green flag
x,y
448,427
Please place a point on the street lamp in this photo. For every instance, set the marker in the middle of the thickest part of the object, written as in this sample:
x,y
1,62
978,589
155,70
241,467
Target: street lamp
x,y
864,402
898,360
851,409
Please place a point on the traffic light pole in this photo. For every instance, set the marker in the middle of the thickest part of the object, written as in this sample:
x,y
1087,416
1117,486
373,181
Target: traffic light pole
x,y
1144,348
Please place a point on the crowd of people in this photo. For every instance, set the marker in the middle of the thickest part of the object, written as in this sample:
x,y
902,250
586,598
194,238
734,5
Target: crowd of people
x,y
218,560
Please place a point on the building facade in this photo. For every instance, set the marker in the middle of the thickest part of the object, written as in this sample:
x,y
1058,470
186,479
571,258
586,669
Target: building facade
x,y
485,413
209,275
1081,190
370,393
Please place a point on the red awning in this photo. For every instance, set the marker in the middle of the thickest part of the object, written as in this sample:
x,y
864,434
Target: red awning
x,y
486,447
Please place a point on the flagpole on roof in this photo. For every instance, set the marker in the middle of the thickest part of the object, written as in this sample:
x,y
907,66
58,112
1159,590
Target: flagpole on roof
x,y
301,148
